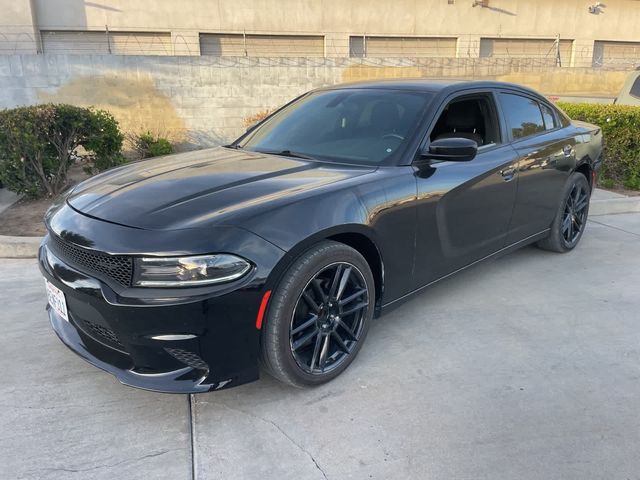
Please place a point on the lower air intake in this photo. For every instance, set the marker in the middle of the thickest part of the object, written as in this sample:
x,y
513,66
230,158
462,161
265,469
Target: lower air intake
x,y
188,358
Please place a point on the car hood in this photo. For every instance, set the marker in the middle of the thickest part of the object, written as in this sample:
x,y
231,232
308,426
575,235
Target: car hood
x,y
206,187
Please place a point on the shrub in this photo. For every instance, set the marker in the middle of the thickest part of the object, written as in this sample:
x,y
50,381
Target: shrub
x,y
606,182
620,126
148,145
39,143
251,120
105,144
632,182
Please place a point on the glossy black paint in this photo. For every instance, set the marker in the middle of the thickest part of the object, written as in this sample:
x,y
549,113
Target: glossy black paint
x,y
415,222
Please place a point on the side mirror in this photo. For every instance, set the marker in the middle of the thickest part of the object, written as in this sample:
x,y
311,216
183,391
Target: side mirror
x,y
451,150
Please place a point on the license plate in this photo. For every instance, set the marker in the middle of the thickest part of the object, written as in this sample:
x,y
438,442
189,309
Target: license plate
x,y
56,299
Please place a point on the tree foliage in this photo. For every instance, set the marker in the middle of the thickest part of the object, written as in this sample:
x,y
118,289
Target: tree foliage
x,y
39,143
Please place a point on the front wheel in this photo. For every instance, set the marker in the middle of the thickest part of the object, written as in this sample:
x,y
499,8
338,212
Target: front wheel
x,y
319,315
571,218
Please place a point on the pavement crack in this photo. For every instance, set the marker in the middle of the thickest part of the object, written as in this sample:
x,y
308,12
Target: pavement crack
x,y
283,433
191,399
615,228
105,465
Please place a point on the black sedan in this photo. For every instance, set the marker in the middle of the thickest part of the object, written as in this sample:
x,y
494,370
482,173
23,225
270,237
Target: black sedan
x,y
185,273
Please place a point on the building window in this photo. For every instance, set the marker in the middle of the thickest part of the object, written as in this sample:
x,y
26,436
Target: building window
x,y
357,47
616,53
118,43
540,48
376,46
250,45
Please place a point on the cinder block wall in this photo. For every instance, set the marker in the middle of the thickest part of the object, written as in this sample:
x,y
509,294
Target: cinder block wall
x,y
200,101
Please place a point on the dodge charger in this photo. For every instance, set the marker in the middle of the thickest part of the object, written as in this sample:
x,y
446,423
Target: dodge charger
x,y
188,272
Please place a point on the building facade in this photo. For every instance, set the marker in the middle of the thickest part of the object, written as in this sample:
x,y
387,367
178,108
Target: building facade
x,y
576,33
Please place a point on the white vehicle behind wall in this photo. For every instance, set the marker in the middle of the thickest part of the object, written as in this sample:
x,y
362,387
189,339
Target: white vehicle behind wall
x,y
630,93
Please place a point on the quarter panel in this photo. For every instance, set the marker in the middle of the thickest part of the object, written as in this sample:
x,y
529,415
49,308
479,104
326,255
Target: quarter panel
x,y
543,169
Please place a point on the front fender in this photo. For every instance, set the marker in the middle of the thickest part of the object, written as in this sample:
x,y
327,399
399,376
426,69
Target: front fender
x,y
382,209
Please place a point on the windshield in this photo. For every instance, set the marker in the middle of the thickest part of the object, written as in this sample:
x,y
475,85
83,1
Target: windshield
x,y
364,126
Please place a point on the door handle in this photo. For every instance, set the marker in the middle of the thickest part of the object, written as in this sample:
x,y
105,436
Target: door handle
x,y
508,173
567,150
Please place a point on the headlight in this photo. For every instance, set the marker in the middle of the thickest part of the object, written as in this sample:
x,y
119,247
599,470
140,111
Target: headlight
x,y
188,271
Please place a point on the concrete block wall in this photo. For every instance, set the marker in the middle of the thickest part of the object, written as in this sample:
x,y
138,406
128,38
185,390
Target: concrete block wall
x,y
200,101
193,100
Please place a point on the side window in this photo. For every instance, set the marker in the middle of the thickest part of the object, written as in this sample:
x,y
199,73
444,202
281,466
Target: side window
x,y
472,116
549,118
522,114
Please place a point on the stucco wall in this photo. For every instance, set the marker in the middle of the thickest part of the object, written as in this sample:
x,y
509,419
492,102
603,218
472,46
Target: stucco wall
x,y
203,100
335,19
570,18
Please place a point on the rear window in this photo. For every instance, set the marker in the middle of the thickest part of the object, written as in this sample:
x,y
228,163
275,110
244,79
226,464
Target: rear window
x,y
549,117
522,114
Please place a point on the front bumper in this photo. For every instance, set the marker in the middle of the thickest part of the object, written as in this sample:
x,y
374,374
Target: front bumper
x,y
217,345
185,380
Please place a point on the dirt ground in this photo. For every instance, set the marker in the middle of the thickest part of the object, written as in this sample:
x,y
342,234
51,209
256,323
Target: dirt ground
x,y
24,218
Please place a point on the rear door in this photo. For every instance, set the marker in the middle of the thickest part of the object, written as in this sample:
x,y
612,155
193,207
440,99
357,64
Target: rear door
x,y
464,208
546,157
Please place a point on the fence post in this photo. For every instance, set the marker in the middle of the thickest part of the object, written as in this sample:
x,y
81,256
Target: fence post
x,y
244,42
39,42
364,45
106,32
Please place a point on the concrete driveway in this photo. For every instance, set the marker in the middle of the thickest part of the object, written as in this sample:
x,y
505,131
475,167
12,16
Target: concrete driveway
x,y
523,368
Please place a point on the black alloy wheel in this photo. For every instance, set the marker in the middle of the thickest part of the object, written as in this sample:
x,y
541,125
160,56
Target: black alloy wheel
x,y
575,213
328,318
318,315
571,217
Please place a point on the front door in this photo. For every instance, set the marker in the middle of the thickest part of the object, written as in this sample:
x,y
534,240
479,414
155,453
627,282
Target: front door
x,y
464,208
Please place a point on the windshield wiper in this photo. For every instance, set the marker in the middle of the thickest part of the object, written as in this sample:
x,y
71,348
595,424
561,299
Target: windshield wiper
x,y
287,153
234,147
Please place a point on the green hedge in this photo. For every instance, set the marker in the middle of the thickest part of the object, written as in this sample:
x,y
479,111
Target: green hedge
x,y
621,129
39,143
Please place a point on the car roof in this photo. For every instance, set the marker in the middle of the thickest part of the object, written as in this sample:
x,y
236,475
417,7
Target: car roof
x,y
433,85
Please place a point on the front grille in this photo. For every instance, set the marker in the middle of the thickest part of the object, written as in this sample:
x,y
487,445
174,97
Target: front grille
x,y
116,267
104,333
188,358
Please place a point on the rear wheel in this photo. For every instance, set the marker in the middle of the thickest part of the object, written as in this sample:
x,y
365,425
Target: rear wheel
x,y
571,218
319,315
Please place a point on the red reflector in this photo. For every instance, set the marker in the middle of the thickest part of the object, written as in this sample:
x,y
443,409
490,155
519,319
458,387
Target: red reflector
x,y
263,307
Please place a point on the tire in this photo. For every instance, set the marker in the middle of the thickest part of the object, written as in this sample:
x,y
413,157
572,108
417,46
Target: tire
x,y
571,217
288,347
